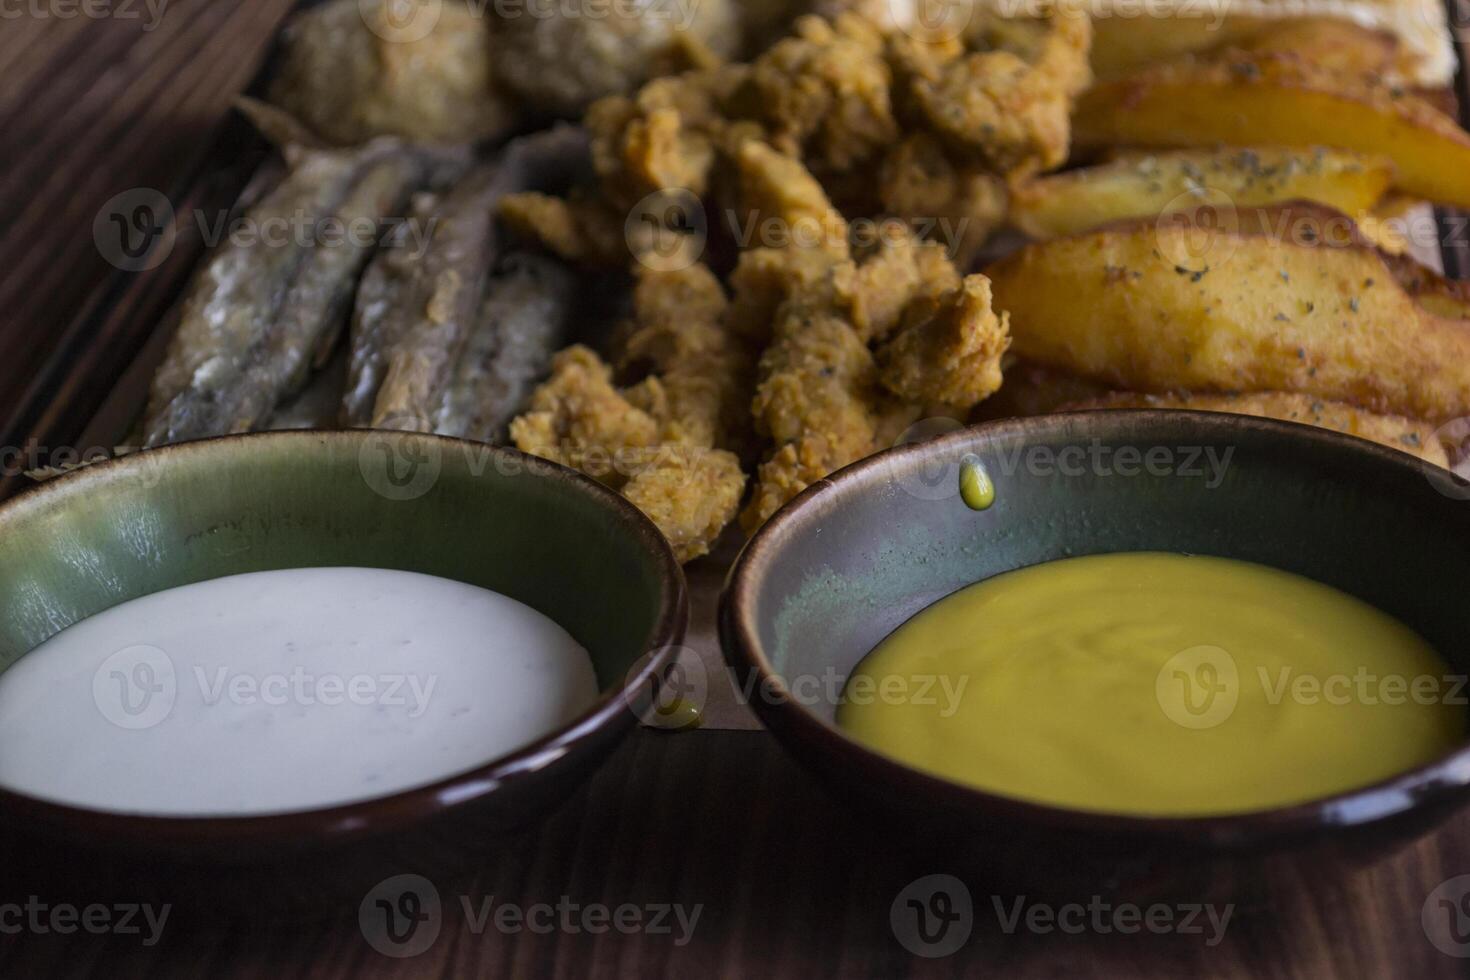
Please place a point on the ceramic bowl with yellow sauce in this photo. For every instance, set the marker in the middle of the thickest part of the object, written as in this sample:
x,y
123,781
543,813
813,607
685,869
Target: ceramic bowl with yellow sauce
x,y
1134,646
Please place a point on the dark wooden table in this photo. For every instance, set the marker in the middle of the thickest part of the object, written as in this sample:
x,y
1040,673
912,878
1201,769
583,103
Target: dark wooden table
x,y
786,881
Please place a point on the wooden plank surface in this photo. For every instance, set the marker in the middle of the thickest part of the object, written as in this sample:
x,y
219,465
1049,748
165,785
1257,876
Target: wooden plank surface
x,y
787,881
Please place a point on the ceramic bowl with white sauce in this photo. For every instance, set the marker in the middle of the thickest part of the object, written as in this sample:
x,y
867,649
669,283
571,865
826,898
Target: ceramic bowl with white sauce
x,y
279,649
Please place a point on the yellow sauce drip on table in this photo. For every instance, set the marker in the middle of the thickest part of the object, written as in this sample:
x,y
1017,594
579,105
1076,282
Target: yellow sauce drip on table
x,y
1155,684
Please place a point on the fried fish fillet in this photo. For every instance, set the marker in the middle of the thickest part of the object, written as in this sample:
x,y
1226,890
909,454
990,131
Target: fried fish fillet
x,y
417,305
263,310
949,349
420,299
1006,95
1406,435
524,318
681,338
664,442
822,398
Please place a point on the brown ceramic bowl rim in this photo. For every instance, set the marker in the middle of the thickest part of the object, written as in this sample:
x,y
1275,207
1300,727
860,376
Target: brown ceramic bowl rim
x,y
395,811
788,718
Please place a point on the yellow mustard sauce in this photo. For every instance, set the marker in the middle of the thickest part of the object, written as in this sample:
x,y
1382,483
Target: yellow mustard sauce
x,y
1156,684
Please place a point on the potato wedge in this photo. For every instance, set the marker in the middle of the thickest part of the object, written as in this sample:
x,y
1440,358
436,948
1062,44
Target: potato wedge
x,y
1406,435
1124,44
1441,296
1241,98
1337,45
1151,306
1144,186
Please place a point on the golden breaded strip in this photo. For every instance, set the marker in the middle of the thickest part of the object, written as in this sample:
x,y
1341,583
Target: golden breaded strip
x,y
576,229
578,418
780,196
824,92
657,441
1008,105
949,349
706,371
691,493
1404,434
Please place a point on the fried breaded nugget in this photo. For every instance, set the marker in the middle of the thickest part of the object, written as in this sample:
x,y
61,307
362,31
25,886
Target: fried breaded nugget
x,y
579,230
778,193
663,441
1008,103
705,371
578,418
824,93
819,397
949,348
875,294
665,136
961,204
691,493
1395,431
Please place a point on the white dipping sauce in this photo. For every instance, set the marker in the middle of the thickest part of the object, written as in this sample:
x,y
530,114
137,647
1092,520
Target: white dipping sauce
x,y
286,690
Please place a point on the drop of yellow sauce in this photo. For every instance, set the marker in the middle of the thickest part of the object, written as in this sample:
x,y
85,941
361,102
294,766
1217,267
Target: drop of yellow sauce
x,y
677,715
976,490
1156,684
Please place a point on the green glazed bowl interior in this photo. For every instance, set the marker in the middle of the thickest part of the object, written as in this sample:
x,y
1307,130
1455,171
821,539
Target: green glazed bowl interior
x,y
859,553
495,518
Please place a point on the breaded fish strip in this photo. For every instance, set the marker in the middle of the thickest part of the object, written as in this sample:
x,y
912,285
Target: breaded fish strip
x,y
1395,431
705,372
578,418
1010,102
949,349
691,493
961,203
662,441
820,398
824,93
